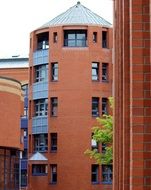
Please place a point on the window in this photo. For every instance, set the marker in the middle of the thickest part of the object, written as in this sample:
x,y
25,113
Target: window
x,y
95,71
41,72
104,148
94,144
104,105
53,176
25,89
54,106
95,107
25,112
94,173
104,39
94,37
55,37
40,142
75,38
41,107
104,72
43,41
107,174
53,142
23,178
54,71
39,169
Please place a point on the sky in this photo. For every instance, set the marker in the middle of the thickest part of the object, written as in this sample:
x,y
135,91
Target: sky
x,y
20,17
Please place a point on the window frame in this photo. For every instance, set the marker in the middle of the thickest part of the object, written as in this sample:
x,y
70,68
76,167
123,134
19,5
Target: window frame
x,y
53,174
41,73
54,106
107,173
95,103
105,76
41,173
75,38
104,104
54,142
95,69
38,105
38,144
96,173
54,70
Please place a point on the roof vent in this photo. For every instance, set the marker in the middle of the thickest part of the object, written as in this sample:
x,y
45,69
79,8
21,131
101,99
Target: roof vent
x,y
78,3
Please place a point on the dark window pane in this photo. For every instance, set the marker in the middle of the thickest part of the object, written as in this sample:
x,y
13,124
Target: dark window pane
x,y
95,107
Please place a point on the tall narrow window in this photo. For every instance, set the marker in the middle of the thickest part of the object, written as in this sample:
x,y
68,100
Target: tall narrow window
x,y
104,39
107,174
94,173
53,142
94,37
54,106
94,144
41,107
55,37
95,71
54,71
104,72
53,174
104,105
95,106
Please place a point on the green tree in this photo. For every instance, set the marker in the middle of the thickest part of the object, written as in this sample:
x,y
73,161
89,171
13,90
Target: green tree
x,y
103,133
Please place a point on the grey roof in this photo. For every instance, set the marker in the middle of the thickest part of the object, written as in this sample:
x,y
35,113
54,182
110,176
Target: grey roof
x,y
78,14
14,62
38,157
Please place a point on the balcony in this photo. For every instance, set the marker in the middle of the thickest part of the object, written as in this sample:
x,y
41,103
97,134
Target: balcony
x,y
41,57
40,90
23,164
24,123
25,143
39,125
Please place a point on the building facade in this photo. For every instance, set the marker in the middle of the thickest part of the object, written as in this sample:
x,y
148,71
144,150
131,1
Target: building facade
x,y
70,81
11,136
132,125
16,67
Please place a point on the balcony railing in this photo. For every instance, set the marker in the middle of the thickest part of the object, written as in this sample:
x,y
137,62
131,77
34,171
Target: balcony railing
x,y
41,57
23,164
39,125
40,90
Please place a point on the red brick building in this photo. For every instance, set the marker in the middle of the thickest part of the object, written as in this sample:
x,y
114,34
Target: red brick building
x,y
11,104
132,130
70,81
16,67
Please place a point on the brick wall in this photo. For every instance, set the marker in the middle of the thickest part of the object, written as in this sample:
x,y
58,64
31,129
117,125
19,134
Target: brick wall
x,y
132,134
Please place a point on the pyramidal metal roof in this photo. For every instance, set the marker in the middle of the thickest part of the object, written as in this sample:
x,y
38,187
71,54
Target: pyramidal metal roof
x,y
38,157
77,15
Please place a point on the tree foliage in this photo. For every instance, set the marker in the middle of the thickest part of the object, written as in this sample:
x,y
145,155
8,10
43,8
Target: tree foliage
x,y
103,133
